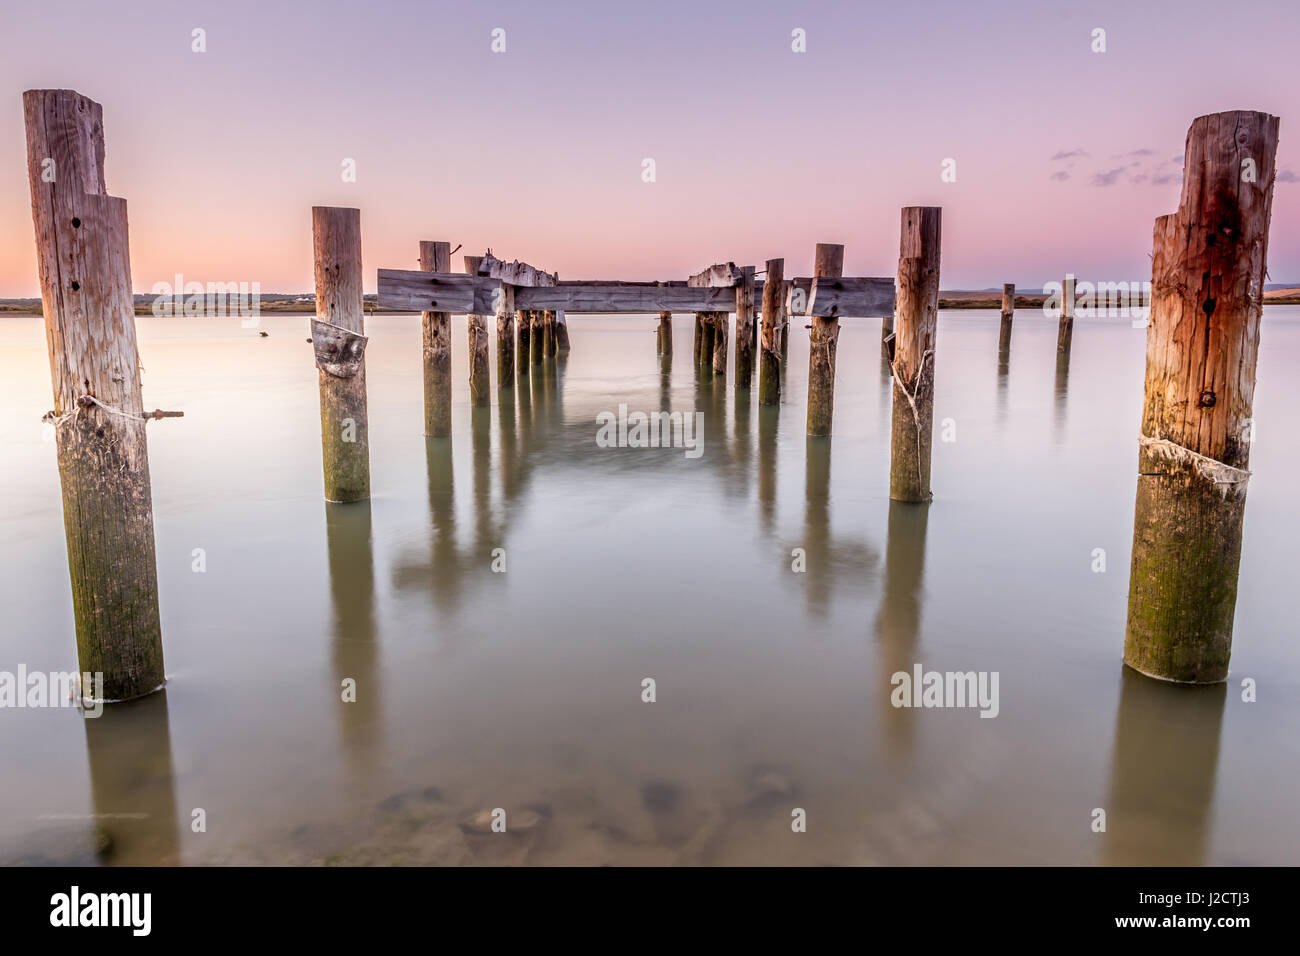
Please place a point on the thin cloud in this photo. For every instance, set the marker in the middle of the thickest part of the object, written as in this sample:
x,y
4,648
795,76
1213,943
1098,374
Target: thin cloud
x,y
1109,178
1060,176
1286,176
1070,154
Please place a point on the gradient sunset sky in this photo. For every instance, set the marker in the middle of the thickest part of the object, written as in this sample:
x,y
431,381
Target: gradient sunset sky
x,y
1064,157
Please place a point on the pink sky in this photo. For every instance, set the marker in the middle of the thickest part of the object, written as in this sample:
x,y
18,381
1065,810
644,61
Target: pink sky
x,y
759,151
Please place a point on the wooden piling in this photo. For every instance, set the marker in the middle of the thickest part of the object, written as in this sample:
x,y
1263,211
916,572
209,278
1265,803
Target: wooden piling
x,y
699,336
85,274
345,442
524,357
707,329
745,328
548,333
436,333
1065,332
1194,451
913,368
1008,312
769,362
665,338
823,341
720,322
480,380
561,332
536,335
506,338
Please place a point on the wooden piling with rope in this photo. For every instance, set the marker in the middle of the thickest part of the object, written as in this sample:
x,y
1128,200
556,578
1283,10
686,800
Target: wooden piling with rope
x,y
823,342
913,367
103,458
436,337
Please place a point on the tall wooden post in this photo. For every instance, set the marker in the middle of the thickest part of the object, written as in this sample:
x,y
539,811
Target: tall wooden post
x,y
436,332
536,335
745,328
1066,330
769,362
345,433
699,336
506,338
561,332
720,322
480,378
1008,312
823,342
548,333
525,320
1194,450
665,333
917,320
85,272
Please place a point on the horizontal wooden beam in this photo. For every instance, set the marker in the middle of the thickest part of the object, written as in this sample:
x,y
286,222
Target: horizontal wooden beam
x,y
453,292
724,275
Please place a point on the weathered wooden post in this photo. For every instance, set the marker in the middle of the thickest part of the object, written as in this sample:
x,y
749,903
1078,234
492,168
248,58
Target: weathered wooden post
x,y
525,319
1207,290
1065,332
340,344
913,369
436,333
745,327
720,322
506,338
823,341
99,417
699,336
536,335
665,333
548,333
707,328
769,362
1008,312
480,381
561,332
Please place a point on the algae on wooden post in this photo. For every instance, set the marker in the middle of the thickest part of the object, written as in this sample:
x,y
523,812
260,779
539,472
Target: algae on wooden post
x,y
1207,291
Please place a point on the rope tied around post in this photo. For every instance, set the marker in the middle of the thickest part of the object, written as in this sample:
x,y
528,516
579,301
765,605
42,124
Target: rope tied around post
x,y
85,401
911,398
1225,477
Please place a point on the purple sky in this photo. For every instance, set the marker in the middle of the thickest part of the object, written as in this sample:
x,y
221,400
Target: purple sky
x,y
1064,157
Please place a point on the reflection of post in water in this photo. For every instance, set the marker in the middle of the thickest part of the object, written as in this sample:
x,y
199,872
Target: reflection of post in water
x,y
1004,370
767,435
133,786
481,426
898,621
1062,388
1162,772
352,588
742,439
817,522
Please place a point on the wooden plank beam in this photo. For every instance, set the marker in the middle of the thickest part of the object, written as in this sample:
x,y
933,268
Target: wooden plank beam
x,y
834,296
626,297
416,291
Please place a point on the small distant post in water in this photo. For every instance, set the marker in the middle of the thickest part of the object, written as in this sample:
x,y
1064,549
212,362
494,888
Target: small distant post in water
x,y
1066,331
99,418
506,338
1197,426
913,367
1008,312
823,341
769,362
548,333
720,323
561,332
480,382
745,327
436,333
664,339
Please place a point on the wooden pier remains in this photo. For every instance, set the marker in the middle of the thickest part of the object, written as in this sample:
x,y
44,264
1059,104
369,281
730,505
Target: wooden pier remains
x,y
436,334
1197,425
98,417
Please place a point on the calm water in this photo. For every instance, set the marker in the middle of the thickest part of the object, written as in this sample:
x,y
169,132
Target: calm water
x,y
522,690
